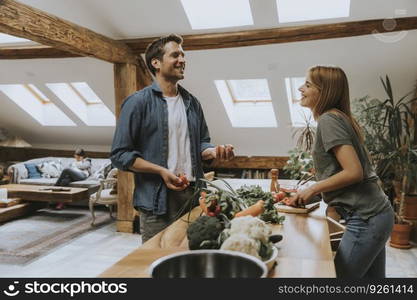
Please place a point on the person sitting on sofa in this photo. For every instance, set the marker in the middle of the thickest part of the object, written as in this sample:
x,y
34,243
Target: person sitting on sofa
x,y
78,170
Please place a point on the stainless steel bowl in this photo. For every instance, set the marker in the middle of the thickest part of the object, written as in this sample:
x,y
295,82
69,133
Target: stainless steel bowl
x,y
208,264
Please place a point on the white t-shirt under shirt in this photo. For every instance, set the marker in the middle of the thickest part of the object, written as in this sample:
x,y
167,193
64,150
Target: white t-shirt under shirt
x,y
179,155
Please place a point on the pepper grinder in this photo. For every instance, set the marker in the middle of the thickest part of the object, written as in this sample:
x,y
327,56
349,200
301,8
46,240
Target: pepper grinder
x,y
274,181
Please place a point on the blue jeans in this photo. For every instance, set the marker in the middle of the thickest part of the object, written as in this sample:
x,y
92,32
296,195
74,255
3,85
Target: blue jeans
x,y
361,253
69,175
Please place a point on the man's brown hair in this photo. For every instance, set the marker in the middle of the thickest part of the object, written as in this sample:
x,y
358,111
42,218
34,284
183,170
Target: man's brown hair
x,y
156,49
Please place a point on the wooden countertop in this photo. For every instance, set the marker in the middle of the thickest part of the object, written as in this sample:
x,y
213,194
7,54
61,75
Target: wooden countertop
x,y
304,251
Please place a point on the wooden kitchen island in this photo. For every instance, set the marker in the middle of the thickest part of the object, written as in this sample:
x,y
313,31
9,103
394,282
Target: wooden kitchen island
x,y
304,251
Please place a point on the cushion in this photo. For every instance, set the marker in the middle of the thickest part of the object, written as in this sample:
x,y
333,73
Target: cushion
x,y
50,169
33,171
38,181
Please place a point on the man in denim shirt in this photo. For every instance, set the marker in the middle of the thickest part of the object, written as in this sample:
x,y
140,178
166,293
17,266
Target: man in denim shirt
x,y
161,134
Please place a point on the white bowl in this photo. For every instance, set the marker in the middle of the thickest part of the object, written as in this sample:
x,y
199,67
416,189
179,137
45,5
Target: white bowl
x,y
270,263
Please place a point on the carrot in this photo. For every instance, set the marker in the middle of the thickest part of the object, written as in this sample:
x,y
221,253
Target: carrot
x,y
202,202
253,210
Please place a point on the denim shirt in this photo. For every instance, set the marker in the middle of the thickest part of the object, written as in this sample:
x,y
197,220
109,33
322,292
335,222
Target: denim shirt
x,y
142,131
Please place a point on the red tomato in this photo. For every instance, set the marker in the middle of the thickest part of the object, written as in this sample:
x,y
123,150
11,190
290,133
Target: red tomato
x,y
184,180
279,196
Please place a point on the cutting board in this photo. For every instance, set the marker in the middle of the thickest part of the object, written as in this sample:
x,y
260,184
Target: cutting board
x,y
297,210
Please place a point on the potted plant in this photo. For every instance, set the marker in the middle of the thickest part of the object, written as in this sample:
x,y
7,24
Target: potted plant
x,y
389,128
305,135
299,164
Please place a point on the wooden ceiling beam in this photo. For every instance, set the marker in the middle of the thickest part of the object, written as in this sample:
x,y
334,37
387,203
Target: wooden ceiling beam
x,y
284,34
245,38
27,22
35,52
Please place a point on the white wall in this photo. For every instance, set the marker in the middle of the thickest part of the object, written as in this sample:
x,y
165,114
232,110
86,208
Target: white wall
x,y
363,58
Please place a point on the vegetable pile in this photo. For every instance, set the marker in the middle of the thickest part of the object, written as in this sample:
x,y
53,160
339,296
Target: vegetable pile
x,y
247,200
247,234
253,195
235,220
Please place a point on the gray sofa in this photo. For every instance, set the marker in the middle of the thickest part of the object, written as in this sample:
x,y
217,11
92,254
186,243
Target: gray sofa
x,y
99,170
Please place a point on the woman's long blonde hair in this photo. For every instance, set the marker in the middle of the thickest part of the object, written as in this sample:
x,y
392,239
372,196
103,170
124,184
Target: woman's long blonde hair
x,y
334,94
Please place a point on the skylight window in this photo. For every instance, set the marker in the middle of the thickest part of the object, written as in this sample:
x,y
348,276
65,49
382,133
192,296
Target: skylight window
x,y
203,14
307,10
9,39
37,93
299,114
247,102
82,101
250,90
86,93
36,104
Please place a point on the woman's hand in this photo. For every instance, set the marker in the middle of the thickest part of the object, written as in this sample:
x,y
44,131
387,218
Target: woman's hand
x,y
173,182
303,197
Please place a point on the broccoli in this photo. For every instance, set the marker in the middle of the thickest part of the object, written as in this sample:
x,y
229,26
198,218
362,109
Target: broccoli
x,y
203,233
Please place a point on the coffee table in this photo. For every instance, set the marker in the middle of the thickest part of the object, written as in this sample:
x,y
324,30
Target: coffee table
x,y
44,193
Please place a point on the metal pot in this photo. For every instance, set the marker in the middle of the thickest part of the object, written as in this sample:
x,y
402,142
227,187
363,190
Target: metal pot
x,y
208,264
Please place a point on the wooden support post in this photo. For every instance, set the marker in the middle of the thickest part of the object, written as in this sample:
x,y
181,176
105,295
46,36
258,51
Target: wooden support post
x,y
414,110
128,78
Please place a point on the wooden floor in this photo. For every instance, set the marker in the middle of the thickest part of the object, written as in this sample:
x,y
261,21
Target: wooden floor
x,y
86,256
402,263
92,253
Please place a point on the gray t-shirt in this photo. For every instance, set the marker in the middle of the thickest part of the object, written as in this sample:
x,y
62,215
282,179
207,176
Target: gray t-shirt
x,y
366,198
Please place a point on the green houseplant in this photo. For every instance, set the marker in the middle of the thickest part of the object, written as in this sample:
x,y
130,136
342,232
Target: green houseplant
x,y
300,162
305,135
389,129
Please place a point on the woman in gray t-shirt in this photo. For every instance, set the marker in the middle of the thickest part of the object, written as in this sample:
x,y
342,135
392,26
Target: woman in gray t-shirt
x,y
345,176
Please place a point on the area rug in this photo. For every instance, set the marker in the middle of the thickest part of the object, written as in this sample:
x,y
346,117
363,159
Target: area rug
x,y
33,236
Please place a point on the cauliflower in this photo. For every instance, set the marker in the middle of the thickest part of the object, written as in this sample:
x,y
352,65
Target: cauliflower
x,y
242,243
253,227
249,235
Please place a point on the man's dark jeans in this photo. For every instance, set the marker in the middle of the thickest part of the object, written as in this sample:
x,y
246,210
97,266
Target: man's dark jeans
x,y
151,224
